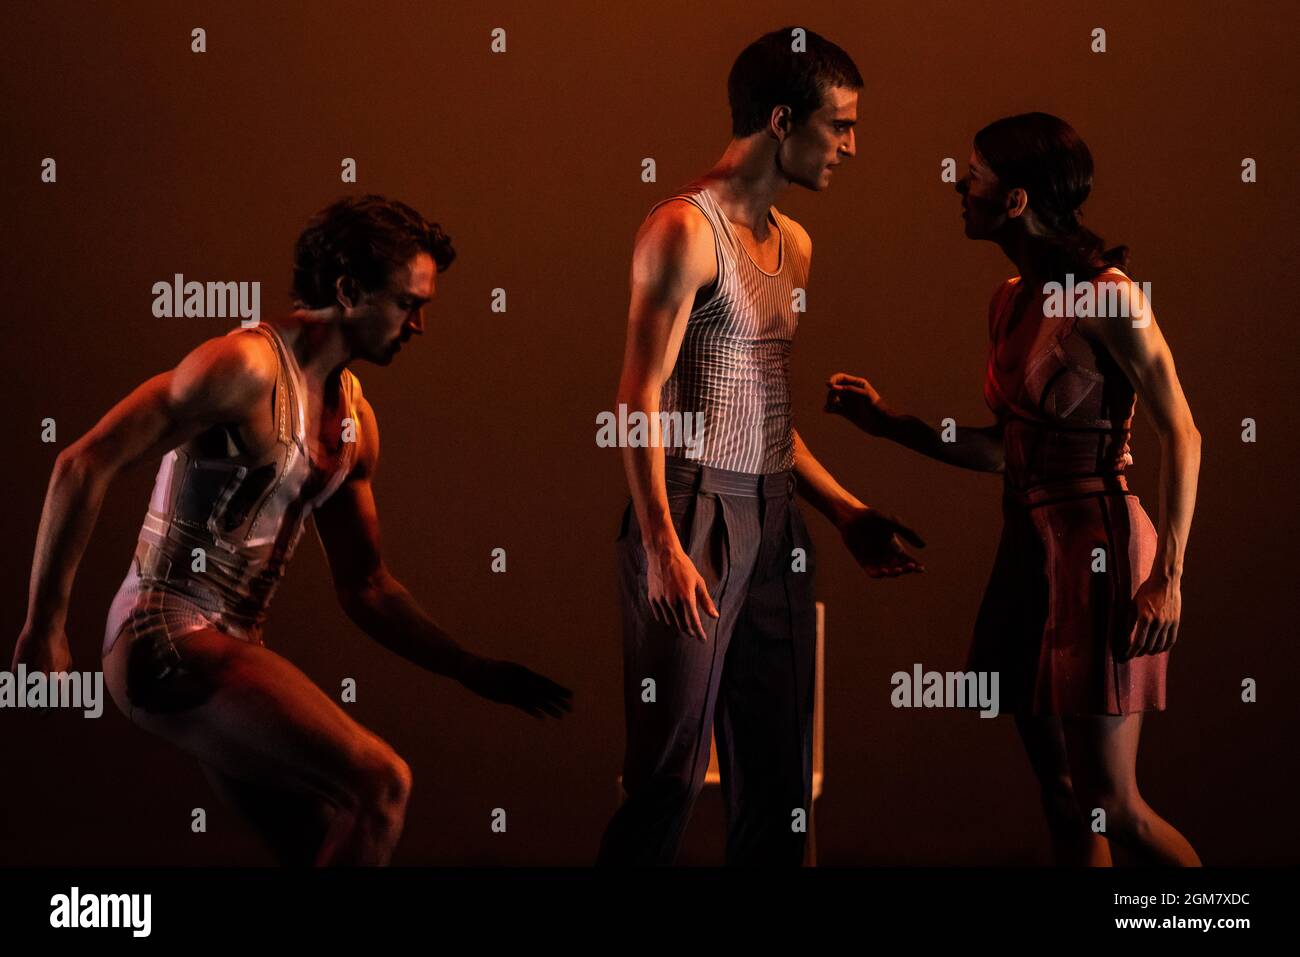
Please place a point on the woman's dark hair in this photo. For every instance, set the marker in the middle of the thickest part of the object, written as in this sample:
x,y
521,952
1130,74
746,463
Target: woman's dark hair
x,y
366,238
769,73
1044,156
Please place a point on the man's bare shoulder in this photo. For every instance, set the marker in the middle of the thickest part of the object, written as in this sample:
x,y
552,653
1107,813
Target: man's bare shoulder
x,y
368,427
229,371
675,240
357,392
675,221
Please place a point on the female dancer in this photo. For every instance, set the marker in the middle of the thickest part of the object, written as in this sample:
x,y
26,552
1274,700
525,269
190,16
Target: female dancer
x,y
1084,600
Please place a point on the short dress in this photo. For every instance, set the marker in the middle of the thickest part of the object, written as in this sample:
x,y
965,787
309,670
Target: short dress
x,y
1056,614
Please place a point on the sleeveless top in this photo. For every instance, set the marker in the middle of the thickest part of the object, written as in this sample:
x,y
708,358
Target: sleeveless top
x,y
246,520
1069,413
733,369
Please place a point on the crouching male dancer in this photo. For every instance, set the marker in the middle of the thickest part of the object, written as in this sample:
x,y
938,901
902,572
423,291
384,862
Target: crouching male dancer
x,y
259,429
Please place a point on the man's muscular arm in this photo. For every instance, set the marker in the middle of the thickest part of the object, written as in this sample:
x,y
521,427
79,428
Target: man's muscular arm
x,y
673,259
348,527
871,535
820,489
219,382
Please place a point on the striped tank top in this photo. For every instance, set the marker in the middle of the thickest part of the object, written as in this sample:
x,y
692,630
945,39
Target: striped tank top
x,y
733,370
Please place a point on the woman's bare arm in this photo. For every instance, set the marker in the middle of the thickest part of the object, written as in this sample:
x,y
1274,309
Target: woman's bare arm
x,y
977,448
1137,345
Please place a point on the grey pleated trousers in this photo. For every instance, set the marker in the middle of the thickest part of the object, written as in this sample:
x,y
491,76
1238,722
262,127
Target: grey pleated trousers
x,y
751,683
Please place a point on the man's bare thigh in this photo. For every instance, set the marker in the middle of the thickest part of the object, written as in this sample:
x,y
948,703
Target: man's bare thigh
x,y
245,711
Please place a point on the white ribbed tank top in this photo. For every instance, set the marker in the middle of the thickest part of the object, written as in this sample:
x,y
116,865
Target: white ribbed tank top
x,y
734,363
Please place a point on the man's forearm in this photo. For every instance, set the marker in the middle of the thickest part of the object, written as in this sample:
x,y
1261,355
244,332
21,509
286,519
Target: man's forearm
x,y
644,466
389,614
819,487
72,504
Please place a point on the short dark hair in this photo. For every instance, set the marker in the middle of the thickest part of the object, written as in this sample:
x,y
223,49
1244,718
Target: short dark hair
x,y
365,237
1043,155
769,73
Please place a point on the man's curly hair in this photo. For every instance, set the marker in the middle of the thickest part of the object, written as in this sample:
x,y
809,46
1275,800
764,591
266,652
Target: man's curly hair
x,y
366,238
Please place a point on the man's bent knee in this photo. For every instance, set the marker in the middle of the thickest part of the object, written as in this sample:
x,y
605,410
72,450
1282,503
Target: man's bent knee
x,y
381,785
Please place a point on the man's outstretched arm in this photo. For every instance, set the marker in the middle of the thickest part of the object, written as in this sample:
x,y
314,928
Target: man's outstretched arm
x,y
871,535
219,382
348,526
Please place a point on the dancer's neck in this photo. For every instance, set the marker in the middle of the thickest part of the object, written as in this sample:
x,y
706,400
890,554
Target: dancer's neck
x,y
318,342
747,180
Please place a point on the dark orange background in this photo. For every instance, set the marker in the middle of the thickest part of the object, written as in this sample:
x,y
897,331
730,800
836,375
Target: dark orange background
x,y
208,165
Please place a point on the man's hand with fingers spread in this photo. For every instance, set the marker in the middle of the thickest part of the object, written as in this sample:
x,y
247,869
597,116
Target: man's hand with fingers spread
x,y
873,538
509,683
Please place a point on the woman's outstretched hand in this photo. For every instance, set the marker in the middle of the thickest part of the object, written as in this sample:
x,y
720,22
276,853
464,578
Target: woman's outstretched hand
x,y
857,400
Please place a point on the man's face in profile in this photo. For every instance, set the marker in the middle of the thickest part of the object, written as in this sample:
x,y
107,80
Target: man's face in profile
x,y
812,149
389,317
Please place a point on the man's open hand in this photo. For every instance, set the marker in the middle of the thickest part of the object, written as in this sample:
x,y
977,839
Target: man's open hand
x,y
509,683
873,538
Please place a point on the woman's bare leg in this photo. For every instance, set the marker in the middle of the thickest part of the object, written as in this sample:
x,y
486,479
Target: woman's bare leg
x,y
250,715
1073,842
1103,761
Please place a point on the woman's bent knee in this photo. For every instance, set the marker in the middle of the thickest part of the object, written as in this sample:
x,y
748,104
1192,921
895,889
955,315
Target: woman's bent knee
x,y
1059,800
1125,815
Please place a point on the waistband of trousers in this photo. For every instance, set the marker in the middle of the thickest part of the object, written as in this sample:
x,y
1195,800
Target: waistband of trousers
x,y
1064,489
706,478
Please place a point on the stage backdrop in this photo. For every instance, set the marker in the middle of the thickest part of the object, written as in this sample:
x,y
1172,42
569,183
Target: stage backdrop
x,y
208,163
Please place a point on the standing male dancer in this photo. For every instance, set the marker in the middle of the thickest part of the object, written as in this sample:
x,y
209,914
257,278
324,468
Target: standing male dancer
x,y
260,429
715,528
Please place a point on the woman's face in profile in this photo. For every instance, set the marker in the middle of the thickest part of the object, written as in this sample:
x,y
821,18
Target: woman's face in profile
x,y
983,201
